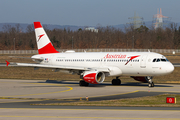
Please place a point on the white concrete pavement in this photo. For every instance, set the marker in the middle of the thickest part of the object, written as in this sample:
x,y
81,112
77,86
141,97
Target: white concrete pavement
x,y
87,114
24,89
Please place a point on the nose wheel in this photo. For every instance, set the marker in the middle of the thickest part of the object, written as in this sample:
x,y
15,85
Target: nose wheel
x,y
150,82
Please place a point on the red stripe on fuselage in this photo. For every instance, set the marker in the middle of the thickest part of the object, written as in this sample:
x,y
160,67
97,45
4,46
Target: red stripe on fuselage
x,y
47,49
37,25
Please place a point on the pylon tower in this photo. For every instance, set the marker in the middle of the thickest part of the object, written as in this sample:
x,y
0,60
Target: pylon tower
x,y
136,21
158,18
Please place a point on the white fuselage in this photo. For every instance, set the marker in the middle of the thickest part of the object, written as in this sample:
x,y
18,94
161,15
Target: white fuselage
x,y
140,64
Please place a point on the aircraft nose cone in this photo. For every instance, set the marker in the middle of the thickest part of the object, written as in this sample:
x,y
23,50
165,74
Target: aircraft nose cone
x,y
170,68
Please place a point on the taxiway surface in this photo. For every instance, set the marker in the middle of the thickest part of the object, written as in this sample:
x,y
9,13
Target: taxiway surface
x,y
17,95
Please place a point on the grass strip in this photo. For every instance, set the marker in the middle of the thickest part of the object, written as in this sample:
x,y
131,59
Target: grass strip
x,y
149,101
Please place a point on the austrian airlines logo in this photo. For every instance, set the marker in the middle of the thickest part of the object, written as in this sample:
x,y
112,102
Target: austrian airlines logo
x,y
115,56
40,36
131,58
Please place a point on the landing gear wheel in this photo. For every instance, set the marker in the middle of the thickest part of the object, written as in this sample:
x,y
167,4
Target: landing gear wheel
x,y
83,83
116,82
151,84
149,79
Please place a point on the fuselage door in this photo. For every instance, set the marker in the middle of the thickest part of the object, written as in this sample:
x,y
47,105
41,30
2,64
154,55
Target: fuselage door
x,y
143,61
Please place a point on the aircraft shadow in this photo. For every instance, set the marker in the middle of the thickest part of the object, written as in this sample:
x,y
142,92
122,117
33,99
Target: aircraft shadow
x,y
104,84
144,84
62,82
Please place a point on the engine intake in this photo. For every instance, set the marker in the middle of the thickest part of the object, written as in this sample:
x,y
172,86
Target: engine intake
x,y
94,77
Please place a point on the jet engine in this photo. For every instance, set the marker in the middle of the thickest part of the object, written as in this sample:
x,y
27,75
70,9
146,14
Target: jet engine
x,y
94,77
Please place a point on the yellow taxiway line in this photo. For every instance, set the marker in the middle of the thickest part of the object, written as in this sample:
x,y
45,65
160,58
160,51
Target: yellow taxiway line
x,y
70,88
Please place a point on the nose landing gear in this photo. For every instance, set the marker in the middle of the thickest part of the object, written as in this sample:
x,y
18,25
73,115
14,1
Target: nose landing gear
x,y
150,82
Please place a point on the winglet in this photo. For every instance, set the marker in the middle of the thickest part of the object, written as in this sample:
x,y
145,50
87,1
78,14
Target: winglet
x,y
7,63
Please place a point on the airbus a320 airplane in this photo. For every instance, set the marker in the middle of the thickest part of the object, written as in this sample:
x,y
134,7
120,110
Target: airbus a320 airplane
x,y
93,67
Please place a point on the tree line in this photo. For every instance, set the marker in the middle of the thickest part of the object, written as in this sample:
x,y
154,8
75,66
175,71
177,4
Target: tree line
x,y
107,37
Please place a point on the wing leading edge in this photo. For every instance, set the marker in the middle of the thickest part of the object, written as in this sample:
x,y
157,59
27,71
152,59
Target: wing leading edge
x,y
36,65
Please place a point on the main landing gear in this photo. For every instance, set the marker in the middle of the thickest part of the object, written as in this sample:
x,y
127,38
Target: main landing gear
x,y
150,82
83,83
116,81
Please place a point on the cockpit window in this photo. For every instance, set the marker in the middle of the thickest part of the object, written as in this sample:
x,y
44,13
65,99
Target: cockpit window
x,y
163,60
160,60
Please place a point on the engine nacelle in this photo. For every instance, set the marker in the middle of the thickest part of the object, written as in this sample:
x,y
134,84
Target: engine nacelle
x,y
94,77
141,79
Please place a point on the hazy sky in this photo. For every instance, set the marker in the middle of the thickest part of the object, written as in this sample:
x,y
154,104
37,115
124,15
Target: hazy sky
x,y
85,12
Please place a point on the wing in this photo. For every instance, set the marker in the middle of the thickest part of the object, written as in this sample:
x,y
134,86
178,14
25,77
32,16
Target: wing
x,y
37,65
